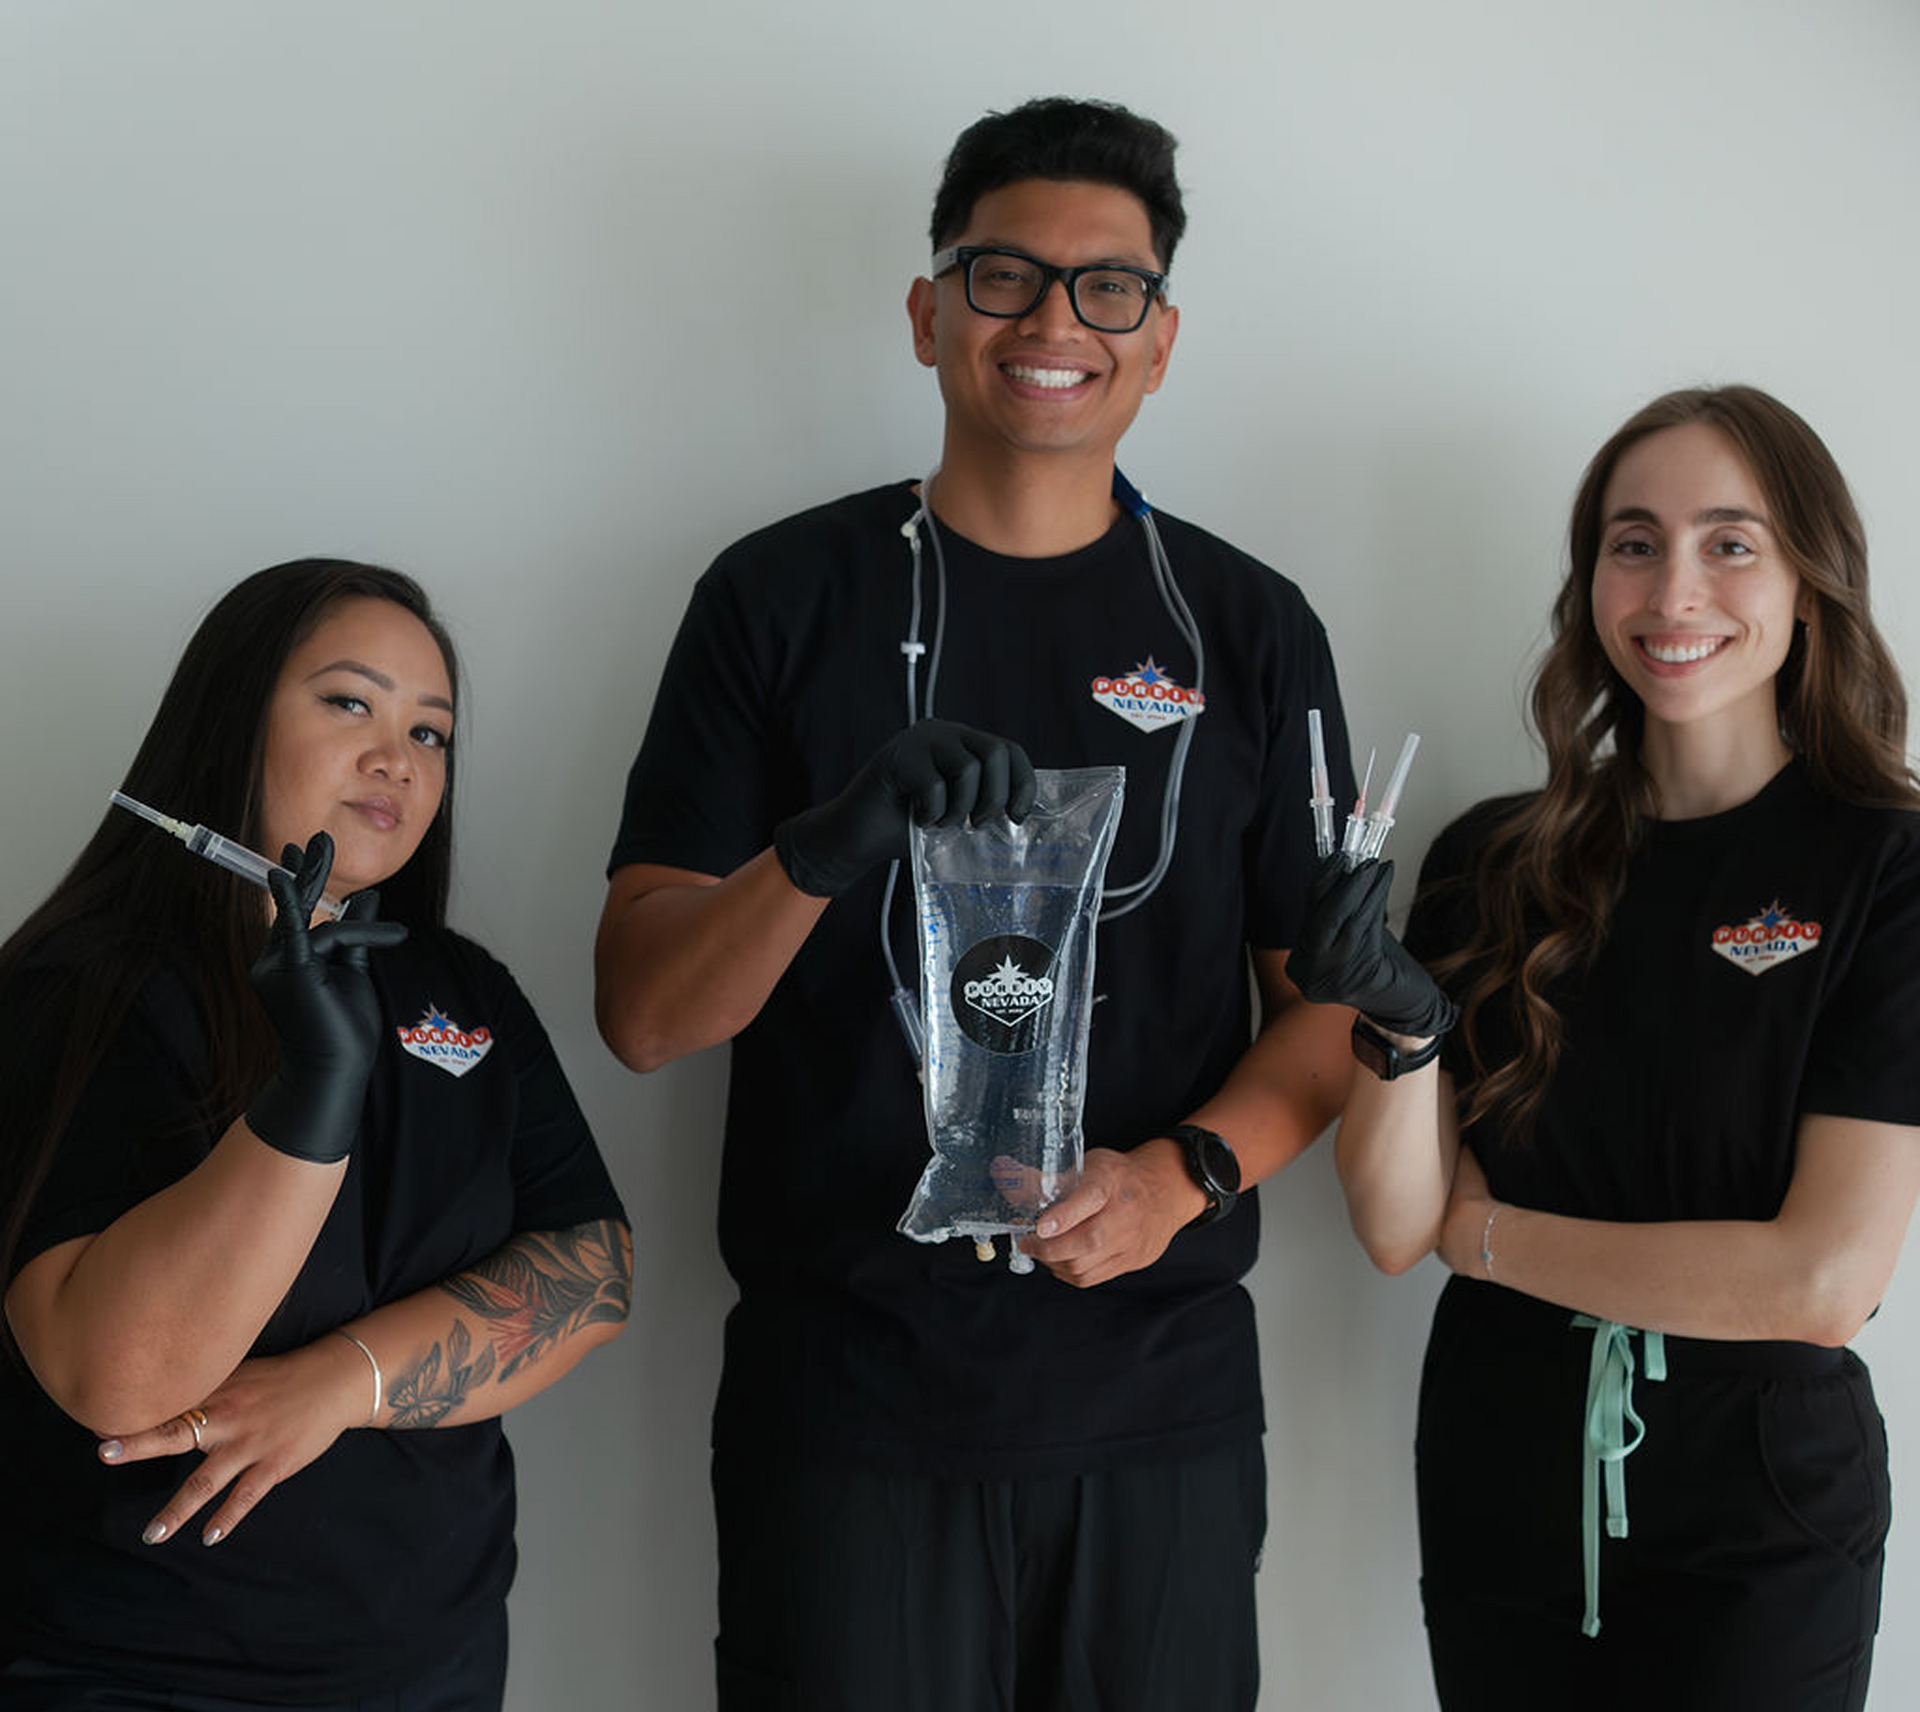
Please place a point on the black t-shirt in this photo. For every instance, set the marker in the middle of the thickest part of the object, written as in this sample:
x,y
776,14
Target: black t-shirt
x,y
1761,964
370,1564
785,677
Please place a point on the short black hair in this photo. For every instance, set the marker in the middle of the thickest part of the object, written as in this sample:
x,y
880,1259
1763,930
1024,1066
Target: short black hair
x,y
1056,137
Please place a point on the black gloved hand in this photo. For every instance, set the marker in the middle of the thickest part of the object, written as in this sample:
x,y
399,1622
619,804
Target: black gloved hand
x,y
935,773
1346,956
314,988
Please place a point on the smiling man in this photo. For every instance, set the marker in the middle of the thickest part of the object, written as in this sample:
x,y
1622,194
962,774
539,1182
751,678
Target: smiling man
x,y
939,1484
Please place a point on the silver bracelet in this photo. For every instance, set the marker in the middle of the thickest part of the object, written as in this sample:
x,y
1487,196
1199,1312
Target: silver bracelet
x,y
1486,1241
378,1393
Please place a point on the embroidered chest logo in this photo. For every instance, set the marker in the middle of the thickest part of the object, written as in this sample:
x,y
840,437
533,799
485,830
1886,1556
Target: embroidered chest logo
x,y
1148,698
443,1043
1767,940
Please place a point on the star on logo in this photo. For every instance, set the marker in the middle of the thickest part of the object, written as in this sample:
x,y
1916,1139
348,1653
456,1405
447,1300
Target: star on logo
x,y
1148,672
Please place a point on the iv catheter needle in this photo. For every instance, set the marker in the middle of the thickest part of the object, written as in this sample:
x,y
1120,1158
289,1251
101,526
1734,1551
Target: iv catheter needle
x,y
1321,801
1353,842
1380,822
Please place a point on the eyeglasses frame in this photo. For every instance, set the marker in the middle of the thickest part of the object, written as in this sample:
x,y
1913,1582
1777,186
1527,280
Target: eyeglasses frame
x,y
962,257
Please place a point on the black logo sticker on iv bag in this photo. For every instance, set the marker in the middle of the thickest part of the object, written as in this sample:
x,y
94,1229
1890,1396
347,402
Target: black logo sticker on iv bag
x,y
1000,991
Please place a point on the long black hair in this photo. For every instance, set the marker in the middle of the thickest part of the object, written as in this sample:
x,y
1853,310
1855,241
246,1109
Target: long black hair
x,y
70,971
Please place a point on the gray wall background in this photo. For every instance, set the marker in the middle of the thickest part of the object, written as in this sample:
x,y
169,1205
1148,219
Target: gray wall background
x,y
548,303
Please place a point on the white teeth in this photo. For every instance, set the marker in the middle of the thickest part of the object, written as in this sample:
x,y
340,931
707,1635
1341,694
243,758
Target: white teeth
x,y
1681,653
1056,378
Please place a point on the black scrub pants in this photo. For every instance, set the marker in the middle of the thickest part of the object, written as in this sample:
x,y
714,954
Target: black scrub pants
x,y
1129,1590
1757,1508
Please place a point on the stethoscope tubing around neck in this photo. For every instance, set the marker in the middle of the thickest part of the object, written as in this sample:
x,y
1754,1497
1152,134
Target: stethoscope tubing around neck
x,y
1116,900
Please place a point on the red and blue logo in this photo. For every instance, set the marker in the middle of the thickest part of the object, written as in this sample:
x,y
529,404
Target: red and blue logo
x,y
1767,940
438,1040
1148,697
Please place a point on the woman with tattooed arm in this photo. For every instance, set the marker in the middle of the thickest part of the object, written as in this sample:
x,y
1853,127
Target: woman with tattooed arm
x,y
292,1208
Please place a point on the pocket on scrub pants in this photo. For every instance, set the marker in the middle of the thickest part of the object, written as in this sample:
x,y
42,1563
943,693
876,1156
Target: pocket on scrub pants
x,y
1824,1448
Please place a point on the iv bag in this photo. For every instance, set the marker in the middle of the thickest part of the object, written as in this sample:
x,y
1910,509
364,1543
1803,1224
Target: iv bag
x,y
1007,917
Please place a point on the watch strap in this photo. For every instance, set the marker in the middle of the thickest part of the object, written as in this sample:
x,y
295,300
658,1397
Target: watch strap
x,y
1384,1058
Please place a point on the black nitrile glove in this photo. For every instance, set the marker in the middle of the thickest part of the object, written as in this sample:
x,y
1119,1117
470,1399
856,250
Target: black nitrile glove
x,y
314,988
1346,956
935,773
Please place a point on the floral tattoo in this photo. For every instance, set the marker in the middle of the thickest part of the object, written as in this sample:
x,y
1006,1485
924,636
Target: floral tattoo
x,y
533,1293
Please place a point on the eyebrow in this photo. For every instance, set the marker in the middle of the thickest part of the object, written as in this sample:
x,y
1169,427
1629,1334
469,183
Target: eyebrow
x,y
1149,264
1712,514
373,677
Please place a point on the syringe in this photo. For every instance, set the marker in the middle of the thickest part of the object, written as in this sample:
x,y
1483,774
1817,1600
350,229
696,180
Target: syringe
x,y
1321,800
223,852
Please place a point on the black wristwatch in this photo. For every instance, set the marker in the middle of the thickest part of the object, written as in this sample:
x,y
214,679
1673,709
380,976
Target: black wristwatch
x,y
1211,1164
1383,1058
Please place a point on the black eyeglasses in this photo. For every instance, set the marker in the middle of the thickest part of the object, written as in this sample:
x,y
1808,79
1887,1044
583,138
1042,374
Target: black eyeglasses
x,y
1109,297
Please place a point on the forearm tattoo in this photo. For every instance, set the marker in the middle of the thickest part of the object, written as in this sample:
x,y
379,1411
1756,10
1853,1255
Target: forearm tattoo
x,y
430,1390
533,1293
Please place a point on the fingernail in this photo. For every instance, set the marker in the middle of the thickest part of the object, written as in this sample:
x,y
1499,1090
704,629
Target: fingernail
x,y
156,1532
111,1450
1046,1227
212,1536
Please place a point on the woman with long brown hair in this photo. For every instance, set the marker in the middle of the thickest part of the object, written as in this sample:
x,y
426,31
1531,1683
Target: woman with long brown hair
x,y
1669,1146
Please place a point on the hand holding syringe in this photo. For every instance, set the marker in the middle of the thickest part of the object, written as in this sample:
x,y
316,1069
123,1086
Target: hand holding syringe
x,y
1345,954
1365,834
223,852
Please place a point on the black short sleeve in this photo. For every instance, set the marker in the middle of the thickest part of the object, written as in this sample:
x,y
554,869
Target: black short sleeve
x,y
697,795
559,1178
1445,914
1861,1062
1280,853
140,1124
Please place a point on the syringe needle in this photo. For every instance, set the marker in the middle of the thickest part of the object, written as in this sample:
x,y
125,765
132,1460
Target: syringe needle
x,y
164,821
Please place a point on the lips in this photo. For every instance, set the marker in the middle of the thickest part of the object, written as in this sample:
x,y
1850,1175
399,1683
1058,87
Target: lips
x,y
383,812
1680,650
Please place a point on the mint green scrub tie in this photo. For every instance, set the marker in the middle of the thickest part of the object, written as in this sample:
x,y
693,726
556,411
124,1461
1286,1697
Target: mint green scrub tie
x,y
1610,1414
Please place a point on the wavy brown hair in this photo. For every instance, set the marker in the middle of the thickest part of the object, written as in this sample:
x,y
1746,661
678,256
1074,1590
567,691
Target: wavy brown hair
x,y
1547,880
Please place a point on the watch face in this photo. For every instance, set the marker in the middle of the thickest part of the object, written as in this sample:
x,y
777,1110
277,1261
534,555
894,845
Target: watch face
x,y
1217,1160
1211,1164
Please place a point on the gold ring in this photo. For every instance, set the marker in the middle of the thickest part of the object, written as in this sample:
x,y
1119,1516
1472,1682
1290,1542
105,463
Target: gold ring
x,y
196,1419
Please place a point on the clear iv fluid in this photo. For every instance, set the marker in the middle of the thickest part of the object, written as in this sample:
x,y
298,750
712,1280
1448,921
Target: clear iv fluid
x,y
1002,1065
1007,917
